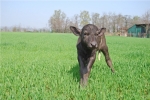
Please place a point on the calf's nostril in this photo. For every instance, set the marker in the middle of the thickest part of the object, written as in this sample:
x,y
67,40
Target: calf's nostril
x,y
93,45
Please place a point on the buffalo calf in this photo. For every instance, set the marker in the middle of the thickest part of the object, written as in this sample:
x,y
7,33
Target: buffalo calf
x,y
91,39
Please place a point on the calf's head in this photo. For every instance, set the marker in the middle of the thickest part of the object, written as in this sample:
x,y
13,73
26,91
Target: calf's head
x,y
89,35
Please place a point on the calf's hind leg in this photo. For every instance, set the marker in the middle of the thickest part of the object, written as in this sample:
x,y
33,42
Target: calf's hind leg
x,y
107,58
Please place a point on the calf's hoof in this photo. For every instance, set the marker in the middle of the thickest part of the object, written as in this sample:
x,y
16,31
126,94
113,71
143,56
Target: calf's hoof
x,y
112,70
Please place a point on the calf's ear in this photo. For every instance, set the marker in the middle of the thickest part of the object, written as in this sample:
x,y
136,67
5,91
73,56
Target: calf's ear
x,y
75,30
102,31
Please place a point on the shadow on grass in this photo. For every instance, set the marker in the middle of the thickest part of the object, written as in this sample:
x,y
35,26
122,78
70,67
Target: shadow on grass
x,y
75,72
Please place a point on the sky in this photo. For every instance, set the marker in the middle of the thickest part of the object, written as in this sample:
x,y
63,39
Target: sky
x,y
36,13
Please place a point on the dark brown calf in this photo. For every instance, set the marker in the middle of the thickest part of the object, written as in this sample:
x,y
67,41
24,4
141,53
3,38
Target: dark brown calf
x,y
91,39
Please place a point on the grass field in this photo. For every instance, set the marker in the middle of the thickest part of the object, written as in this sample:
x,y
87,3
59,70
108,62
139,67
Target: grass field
x,y
43,66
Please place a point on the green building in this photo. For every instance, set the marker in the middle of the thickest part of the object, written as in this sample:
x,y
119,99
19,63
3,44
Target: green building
x,y
148,33
137,30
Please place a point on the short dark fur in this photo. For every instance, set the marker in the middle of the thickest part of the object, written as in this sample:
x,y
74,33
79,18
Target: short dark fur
x,y
91,39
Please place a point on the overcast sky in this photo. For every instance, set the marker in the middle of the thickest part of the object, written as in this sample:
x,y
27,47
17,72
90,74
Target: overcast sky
x,y
36,13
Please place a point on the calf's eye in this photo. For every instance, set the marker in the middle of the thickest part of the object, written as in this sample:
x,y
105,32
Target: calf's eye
x,y
96,34
86,33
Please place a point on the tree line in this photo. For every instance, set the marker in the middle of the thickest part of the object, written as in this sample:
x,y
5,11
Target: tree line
x,y
114,23
18,28
59,22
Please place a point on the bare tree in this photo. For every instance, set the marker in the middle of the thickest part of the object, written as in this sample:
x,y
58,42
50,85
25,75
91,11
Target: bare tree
x,y
127,21
104,21
119,22
14,29
109,23
84,18
136,20
113,20
66,28
57,20
146,20
96,19
76,20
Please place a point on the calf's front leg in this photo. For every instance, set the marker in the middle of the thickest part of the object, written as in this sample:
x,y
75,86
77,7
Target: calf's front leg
x,y
85,68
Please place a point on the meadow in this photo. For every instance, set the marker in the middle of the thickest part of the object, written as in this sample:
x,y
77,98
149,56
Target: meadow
x,y
43,66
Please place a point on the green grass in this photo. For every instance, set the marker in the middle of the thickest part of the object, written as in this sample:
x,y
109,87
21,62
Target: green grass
x,y
43,66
